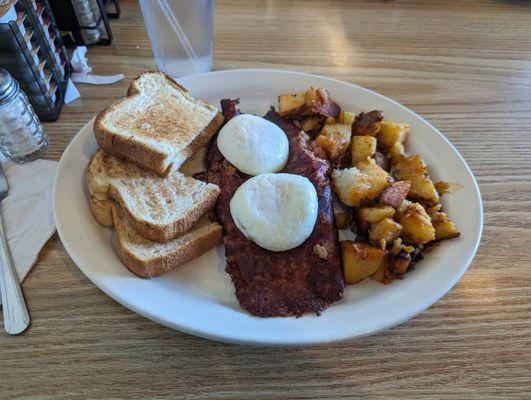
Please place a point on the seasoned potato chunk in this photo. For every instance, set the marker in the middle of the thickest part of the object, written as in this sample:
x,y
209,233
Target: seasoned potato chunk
x,y
347,118
360,260
400,263
416,225
360,185
367,124
290,104
317,102
391,133
444,228
397,153
384,232
310,124
371,215
342,219
334,139
413,169
362,148
395,194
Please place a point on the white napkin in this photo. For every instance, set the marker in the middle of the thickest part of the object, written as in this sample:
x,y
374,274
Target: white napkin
x,y
82,70
27,211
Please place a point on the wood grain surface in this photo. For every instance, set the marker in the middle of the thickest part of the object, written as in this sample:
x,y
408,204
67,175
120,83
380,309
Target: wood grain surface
x,y
463,65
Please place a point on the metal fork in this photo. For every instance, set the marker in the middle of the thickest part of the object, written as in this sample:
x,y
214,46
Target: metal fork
x,y
16,317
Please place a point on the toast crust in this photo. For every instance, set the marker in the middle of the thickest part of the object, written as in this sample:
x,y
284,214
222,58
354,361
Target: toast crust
x,y
164,233
141,154
102,211
164,263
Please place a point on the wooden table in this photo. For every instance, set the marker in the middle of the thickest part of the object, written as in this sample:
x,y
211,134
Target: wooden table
x,y
463,65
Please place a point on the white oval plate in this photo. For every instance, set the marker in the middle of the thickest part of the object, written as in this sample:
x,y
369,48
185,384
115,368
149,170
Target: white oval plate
x,y
198,297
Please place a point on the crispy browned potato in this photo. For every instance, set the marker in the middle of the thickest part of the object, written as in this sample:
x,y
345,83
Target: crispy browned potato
x,y
380,275
360,260
395,194
347,118
366,216
367,124
416,225
290,105
360,185
342,219
391,133
396,153
382,160
400,263
362,148
317,102
384,232
334,139
312,123
413,169
444,228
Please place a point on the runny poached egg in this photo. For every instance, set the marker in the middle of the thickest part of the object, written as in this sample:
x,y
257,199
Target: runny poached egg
x,y
276,211
253,144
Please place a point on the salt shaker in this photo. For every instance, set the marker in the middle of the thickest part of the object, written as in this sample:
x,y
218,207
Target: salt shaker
x,y
22,137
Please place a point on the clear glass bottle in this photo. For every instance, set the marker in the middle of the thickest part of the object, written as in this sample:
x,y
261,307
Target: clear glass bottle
x,y
22,137
86,17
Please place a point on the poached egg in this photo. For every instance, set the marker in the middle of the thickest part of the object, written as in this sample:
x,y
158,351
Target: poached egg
x,y
276,211
253,144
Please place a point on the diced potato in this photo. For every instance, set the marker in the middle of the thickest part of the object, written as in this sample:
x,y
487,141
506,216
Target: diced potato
x,y
334,139
347,118
413,169
310,124
381,273
416,225
395,194
397,152
360,260
290,105
401,210
444,228
330,120
310,96
367,124
384,232
391,133
342,219
433,209
360,185
367,216
382,160
318,102
362,147
400,263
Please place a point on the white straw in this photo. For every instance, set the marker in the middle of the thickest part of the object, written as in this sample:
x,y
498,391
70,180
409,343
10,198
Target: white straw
x,y
177,28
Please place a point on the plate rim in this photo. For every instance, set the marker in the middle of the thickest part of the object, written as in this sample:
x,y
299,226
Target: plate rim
x,y
279,343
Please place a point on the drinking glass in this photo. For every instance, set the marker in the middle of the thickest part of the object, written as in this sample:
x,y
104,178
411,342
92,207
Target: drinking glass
x,y
180,32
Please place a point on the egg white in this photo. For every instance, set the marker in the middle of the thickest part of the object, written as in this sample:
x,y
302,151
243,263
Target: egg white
x,y
276,211
253,144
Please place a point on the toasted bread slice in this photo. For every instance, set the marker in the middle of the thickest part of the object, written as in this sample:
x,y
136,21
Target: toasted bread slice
x,y
159,209
148,259
158,125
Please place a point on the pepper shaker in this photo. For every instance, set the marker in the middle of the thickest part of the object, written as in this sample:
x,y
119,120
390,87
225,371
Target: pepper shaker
x,y
22,137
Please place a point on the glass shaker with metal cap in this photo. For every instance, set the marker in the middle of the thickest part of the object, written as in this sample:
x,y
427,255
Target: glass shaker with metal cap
x,y
22,137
